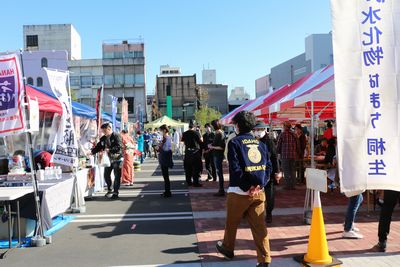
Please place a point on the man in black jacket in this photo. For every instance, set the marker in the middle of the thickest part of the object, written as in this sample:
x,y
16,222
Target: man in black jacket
x,y
111,144
192,160
208,139
260,132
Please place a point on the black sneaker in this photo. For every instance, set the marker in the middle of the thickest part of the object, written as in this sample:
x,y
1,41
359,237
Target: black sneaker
x,y
166,195
109,193
227,254
189,184
262,264
381,246
114,196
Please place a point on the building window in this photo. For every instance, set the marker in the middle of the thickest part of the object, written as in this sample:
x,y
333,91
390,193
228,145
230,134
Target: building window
x,y
118,54
108,54
119,79
129,79
131,104
75,80
138,54
97,80
109,79
44,62
39,82
86,81
139,78
30,81
32,41
128,54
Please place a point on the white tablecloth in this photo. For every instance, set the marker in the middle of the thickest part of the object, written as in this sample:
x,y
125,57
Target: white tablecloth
x,y
58,195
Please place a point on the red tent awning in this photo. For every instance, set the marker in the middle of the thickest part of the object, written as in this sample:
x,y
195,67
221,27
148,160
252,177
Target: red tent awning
x,y
46,103
279,94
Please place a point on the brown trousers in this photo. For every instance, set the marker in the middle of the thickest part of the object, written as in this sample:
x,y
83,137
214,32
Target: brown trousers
x,y
252,209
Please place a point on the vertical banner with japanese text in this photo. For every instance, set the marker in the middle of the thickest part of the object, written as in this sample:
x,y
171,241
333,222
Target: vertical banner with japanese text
x,y
11,96
99,104
366,46
66,152
114,108
124,113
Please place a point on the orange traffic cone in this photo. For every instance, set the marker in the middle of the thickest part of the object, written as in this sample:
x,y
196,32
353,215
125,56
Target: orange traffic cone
x,y
318,252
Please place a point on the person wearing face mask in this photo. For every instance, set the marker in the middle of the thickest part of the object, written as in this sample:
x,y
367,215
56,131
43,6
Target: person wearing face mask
x,y
208,139
165,159
111,143
249,172
260,132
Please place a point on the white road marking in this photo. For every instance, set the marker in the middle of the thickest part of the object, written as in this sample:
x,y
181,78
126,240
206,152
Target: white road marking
x,y
133,219
134,214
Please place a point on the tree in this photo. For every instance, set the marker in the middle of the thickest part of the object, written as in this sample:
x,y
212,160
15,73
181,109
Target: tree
x,y
73,95
206,114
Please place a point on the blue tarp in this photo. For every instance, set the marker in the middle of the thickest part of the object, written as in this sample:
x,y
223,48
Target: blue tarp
x,y
58,223
79,109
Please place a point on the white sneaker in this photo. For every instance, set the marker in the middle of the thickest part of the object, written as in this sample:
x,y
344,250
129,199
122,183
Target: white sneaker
x,y
355,229
352,235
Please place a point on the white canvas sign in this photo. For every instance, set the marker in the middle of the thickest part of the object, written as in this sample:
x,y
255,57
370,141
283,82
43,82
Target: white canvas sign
x,y
366,46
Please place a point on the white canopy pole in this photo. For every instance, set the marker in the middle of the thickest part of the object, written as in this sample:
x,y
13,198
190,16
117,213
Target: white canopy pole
x,y
309,199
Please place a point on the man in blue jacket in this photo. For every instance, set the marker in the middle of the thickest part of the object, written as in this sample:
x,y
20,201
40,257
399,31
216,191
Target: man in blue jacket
x,y
249,172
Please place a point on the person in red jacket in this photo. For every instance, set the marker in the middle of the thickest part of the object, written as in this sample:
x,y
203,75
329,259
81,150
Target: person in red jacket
x,y
328,134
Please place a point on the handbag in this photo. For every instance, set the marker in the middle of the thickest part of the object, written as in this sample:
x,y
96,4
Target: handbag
x,y
105,160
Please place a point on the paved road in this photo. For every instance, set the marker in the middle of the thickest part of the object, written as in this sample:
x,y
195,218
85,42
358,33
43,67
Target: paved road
x,y
140,228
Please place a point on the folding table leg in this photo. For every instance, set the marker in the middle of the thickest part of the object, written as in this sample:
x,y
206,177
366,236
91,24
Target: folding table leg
x,y
9,225
18,224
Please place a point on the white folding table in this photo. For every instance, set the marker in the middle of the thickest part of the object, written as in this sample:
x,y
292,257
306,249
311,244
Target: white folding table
x,y
8,195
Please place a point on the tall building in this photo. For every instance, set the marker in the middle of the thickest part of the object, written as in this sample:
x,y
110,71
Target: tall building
x,y
53,37
121,68
237,97
167,70
184,93
86,77
318,54
209,76
290,71
319,51
35,61
263,85
215,96
124,75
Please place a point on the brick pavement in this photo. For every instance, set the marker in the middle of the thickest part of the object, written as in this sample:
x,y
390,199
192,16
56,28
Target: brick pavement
x,y
288,234
283,198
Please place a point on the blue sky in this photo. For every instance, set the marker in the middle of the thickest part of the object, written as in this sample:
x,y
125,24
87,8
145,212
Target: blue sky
x,y
241,39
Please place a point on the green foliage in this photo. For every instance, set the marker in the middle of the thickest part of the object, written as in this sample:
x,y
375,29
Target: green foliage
x,y
73,95
206,114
